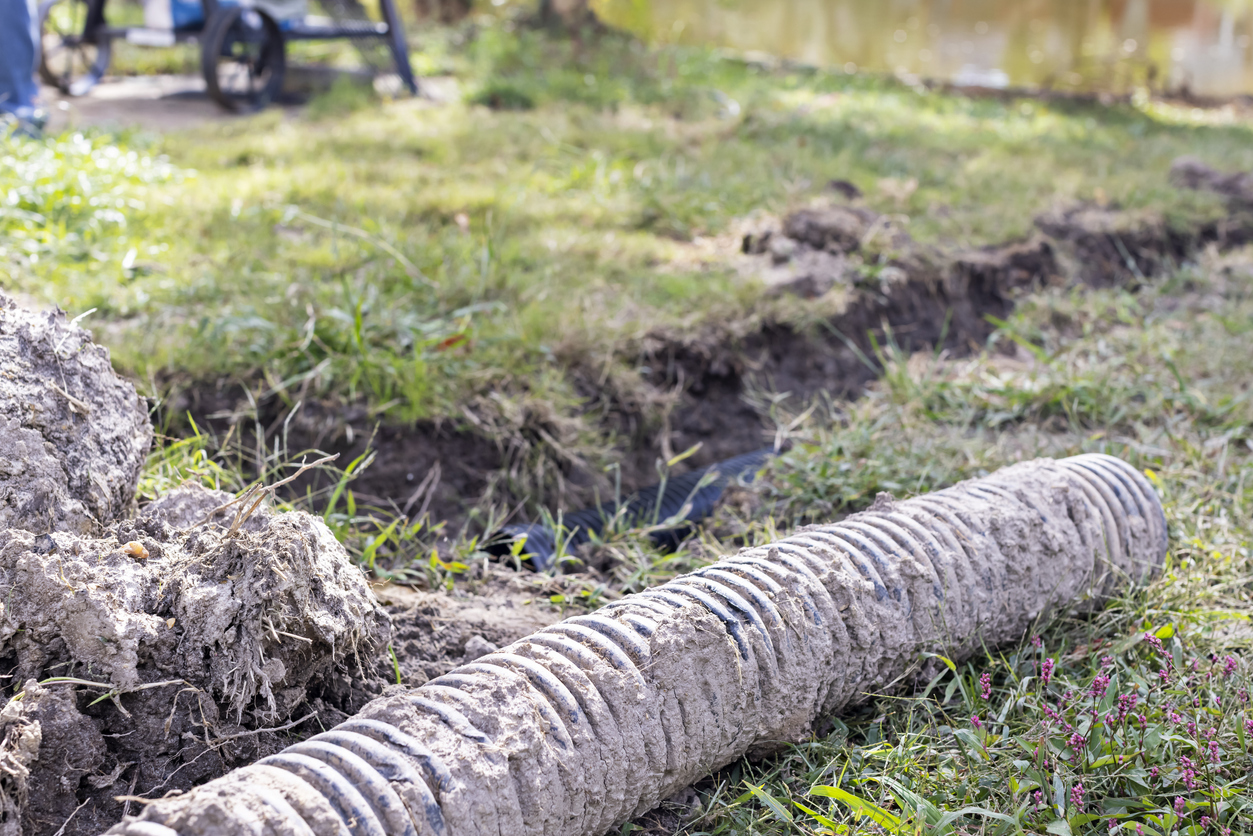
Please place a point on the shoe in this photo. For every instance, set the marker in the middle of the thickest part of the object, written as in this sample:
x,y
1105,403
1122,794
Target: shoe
x,y
28,122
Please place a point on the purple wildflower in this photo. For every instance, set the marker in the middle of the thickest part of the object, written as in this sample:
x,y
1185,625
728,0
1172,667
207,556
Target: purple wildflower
x,y
1099,686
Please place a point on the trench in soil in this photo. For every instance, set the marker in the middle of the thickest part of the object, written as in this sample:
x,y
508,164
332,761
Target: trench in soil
x,y
940,300
936,300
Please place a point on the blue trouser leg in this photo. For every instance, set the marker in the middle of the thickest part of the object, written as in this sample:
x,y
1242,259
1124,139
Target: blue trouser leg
x,y
18,38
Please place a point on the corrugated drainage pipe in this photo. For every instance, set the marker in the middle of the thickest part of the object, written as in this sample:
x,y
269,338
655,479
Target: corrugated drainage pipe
x,y
594,720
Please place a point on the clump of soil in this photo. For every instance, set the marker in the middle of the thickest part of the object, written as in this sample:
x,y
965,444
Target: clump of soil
x,y
1236,186
73,433
197,636
151,651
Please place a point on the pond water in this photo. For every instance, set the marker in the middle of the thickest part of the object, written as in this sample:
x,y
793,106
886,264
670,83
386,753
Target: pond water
x,y
1201,47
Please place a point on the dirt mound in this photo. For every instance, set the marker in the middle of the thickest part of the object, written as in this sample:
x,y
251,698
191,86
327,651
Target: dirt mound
x,y
197,636
1107,247
160,649
1191,173
73,434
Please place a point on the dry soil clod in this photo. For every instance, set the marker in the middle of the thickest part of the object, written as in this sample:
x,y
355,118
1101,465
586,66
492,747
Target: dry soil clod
x,y
73,433
159,649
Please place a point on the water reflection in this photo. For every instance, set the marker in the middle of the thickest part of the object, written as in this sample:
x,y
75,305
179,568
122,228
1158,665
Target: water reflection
x,y
1194,46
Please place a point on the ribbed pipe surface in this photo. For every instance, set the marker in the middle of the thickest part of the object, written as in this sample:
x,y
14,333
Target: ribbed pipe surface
x,y
592,721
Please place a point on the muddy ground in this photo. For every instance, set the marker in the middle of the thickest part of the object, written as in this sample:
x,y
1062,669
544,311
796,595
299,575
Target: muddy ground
x,y
92,754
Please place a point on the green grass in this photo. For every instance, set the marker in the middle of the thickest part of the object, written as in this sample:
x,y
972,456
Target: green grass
x,y
344,247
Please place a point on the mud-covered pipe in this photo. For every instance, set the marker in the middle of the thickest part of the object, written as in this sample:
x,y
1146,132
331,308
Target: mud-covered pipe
x,y
592,721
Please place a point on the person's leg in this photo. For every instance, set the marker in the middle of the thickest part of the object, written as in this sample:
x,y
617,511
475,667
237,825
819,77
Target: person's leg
x,y
18,39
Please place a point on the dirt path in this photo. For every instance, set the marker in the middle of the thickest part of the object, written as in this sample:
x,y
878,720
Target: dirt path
x,y
150,103
168,103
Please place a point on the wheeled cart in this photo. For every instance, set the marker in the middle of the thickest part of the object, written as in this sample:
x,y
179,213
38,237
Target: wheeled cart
x,y
243,45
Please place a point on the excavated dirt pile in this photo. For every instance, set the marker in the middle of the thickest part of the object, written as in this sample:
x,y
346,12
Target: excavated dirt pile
x,y
149,654
73,434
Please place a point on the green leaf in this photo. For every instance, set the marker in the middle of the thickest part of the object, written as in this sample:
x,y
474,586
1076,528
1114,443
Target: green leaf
x,y
371,551
1058,827
971,739
950,817
773,803
395,662
910,800
859,806
816,816
691,451
952,666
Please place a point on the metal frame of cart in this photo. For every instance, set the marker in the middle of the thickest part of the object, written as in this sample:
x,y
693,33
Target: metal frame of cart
x,y
242,47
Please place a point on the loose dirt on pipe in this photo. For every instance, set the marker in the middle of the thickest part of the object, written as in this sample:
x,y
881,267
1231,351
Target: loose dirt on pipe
x,y
594,720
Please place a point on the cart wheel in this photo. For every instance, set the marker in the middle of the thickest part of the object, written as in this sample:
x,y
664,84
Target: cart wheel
x,y
243,59
70,58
